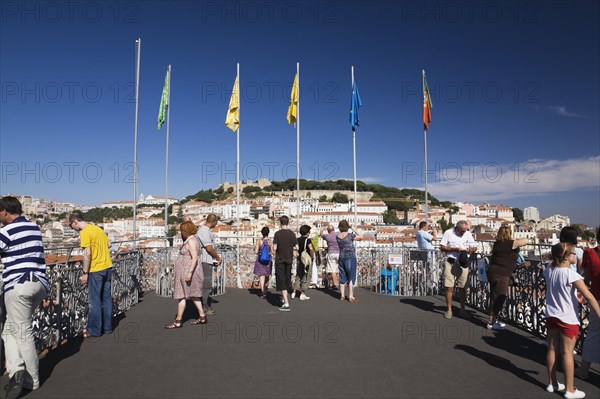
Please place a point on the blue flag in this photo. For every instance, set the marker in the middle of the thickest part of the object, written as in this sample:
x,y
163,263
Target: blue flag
x,y
356,103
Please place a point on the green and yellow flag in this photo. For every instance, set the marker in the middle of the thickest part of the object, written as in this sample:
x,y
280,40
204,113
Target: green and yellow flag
x,y
164,103
292,113
232,120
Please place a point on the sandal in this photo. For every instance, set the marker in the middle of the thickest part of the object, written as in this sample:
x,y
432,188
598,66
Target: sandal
x,y
342,299
201,320
175,324
353,299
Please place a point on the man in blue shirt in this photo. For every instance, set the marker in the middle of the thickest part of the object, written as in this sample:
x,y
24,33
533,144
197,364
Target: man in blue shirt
x,y
425,241
424,238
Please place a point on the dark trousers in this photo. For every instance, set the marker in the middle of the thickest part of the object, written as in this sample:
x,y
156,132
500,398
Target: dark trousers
x,y
207,284
498,292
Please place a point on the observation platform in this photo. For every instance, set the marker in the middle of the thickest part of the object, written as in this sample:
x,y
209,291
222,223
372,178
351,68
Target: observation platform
x,y
379,347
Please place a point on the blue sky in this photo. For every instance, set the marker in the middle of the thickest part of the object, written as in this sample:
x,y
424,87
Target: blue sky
x,y
515,90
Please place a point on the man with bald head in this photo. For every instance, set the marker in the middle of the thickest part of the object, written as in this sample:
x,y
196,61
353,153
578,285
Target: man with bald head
x,y
333,256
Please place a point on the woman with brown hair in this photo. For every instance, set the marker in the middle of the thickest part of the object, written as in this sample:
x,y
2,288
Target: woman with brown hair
x,y
502,263
347,261
188,277
562,316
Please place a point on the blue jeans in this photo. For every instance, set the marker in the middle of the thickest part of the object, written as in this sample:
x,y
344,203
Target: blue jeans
x,y
347,268
100,302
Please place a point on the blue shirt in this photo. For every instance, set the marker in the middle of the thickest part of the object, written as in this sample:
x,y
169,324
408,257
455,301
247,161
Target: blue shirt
x,y
424,240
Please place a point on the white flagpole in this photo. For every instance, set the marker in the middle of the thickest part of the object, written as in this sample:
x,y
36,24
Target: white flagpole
x,y
425,149
237,176
354,156
138,49
167,156
298,151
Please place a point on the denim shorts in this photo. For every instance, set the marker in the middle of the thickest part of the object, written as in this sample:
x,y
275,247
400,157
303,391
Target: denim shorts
x,y
347,267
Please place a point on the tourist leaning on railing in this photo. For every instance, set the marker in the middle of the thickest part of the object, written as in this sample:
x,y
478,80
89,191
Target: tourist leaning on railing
x,y
347,261
502,263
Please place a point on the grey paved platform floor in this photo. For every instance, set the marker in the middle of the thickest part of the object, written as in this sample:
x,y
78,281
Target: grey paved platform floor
x,y
379,347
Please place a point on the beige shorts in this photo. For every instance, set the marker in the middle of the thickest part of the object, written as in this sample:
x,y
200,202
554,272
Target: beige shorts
x,y
332,263
455,275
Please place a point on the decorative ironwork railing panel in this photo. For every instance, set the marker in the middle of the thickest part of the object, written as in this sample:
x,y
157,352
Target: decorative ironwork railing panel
x,y
63,314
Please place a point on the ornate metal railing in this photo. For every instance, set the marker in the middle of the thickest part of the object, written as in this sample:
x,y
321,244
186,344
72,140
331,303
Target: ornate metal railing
x,y
63,314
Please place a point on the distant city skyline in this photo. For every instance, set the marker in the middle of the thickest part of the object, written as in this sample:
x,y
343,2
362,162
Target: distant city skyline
x,y
514,87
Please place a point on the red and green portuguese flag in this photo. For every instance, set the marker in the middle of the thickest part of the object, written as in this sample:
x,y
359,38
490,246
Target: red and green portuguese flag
x,y
426,104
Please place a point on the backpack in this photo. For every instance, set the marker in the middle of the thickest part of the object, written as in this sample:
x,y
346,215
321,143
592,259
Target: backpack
x,y
305,256
264,256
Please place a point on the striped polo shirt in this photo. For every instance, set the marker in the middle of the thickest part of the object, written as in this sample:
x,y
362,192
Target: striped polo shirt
x,y
22,253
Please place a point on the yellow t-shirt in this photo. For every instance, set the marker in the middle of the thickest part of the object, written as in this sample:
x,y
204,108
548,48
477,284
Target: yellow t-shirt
x,y
93,237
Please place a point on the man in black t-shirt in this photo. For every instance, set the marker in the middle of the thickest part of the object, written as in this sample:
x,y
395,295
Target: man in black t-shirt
x,y
284,243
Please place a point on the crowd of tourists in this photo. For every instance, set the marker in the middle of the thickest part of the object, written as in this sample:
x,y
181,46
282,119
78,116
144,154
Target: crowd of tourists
x,y
572,277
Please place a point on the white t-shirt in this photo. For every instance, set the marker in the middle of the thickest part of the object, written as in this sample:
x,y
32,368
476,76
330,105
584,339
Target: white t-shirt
x,y
561,296
450,239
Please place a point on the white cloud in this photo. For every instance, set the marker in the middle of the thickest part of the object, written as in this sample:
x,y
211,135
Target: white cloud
x,y
492,181
562,111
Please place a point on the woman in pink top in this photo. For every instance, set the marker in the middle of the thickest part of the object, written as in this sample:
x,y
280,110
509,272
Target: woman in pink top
x,y
591,346
562,318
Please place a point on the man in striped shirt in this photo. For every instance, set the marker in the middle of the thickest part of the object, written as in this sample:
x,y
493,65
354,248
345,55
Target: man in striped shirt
x,y
25,286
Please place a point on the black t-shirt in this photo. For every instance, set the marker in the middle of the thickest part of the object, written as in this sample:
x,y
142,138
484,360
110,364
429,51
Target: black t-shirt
x,y
285,239
504,258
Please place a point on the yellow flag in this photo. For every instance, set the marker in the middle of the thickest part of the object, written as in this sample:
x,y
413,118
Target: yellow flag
x,y
293,109
233,114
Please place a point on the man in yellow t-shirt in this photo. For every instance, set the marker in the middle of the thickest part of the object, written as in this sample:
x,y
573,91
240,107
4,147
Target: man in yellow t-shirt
x,y
97,274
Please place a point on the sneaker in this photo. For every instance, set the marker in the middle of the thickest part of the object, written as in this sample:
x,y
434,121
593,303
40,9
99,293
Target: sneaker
x,y
285,307
15,385
448,315
555,388
293,295
577,394
497,326
303,297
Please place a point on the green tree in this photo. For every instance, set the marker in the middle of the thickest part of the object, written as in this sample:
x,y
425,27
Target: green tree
x,y
251,189
390,217
339,198
323,198
444,225
517,214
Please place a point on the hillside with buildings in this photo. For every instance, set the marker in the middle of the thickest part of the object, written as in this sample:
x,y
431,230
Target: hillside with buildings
x,y
386,215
